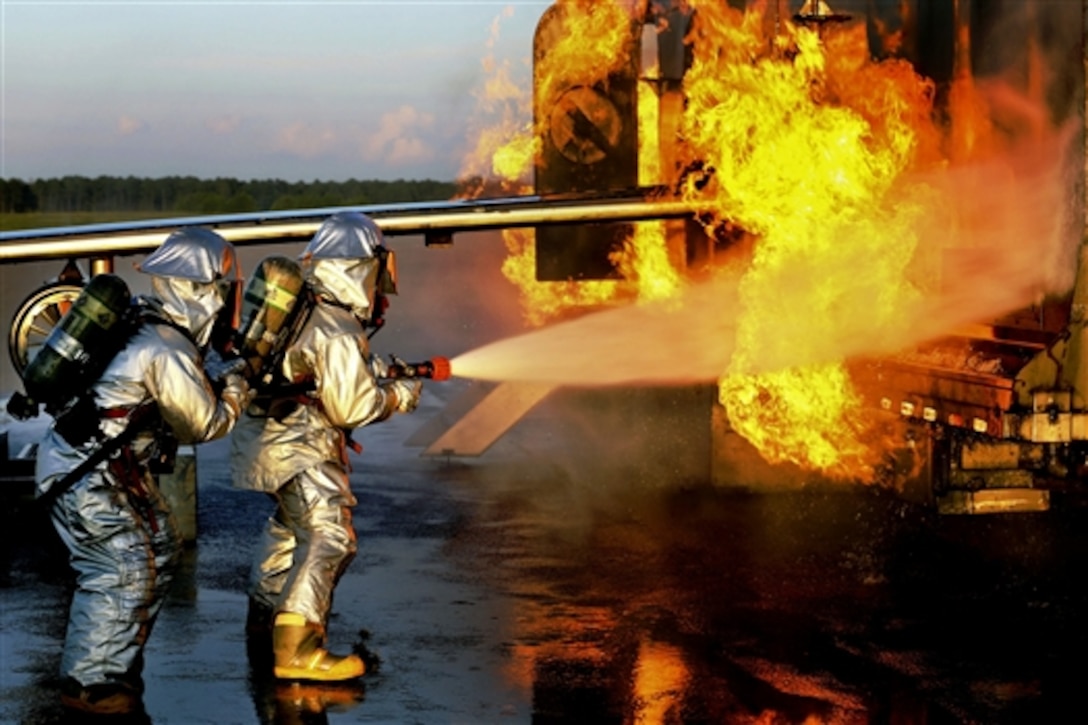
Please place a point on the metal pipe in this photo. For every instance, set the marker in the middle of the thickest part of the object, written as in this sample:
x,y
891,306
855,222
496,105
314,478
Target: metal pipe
x,y
121,238
101,265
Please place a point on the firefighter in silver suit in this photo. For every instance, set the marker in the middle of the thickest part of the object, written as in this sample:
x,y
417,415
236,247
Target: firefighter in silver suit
x,y
120,532
300,456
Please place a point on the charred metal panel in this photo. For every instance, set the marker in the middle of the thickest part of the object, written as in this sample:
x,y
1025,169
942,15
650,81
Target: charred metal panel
x,y
919,31
588,135
976,455
946,396
999,501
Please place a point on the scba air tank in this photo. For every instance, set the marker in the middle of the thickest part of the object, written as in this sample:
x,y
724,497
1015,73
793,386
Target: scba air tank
x,y
81,344
270,306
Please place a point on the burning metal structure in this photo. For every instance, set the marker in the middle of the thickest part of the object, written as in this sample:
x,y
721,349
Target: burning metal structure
x,y
902,183
888,183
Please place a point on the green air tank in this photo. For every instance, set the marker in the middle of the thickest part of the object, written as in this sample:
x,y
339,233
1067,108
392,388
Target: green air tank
x,y
81,345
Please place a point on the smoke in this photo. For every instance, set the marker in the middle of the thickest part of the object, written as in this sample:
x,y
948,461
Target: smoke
x,y
449,299
1036,46
1010,236
995,236
1001,235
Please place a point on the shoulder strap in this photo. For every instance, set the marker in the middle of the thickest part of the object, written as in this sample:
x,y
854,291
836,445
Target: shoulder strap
x,y
142,417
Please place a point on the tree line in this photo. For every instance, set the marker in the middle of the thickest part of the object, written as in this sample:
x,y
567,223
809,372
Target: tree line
x,y
191,195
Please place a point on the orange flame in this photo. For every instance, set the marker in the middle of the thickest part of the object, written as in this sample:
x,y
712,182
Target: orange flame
x,y
806,137
589,42
505,145
807,144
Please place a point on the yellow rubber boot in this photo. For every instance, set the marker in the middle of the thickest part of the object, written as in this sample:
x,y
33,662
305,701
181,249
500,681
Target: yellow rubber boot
x,y
299,654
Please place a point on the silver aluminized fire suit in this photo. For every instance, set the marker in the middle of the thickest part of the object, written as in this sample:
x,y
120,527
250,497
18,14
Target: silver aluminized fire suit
x,y
301,459
120,533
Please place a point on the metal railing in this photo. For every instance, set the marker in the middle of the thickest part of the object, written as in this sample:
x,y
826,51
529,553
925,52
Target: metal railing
x,y
434,220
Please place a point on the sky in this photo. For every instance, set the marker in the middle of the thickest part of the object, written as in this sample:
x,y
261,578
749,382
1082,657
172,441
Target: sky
x,y
299,90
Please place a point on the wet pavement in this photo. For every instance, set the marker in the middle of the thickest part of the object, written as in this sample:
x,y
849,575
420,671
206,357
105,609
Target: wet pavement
x,y
530,585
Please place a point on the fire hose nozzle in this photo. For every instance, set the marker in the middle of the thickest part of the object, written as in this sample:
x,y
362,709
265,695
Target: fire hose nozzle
x,y
437,368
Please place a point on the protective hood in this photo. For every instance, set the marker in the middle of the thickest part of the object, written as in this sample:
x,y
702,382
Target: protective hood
x,y
347,262
192,305
194,273
349,282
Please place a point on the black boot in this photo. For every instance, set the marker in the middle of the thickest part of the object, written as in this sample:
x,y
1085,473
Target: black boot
x,y
104,699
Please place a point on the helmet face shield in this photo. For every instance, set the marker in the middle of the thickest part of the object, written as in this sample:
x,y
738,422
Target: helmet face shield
x,y
229,318
230,291
387,271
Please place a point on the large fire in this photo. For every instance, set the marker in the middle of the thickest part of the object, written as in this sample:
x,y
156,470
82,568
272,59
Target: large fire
x,y
805,140
806,137
835,167
586,46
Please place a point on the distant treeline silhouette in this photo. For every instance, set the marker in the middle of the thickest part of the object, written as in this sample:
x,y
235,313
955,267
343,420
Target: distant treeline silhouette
x,y
188,194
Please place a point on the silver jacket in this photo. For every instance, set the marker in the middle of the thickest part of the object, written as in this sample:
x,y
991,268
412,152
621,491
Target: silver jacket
x,y
331,350
159,363
121,534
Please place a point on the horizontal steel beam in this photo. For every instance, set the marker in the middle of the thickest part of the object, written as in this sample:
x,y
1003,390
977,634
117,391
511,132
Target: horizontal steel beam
x,y
121,238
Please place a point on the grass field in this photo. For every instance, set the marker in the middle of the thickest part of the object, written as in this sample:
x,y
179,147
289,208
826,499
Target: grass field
x,y
39,220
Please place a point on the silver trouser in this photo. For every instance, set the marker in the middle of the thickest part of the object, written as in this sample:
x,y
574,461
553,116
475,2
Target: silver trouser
x,y
307,544
123,550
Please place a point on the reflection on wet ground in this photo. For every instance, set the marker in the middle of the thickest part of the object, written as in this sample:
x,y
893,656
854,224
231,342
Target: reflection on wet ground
x,y
834,606
513,591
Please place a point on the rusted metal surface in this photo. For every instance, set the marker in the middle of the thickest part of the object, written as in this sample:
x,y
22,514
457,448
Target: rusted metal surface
x,y
948,396
998,500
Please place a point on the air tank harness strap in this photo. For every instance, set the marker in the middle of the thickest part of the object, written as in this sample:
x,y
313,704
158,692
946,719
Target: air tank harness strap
x,y
128,471
140,418
299,391
131,474
346,442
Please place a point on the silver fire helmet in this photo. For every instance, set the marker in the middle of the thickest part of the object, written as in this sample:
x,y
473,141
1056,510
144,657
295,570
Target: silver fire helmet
x,y
347,260
196,254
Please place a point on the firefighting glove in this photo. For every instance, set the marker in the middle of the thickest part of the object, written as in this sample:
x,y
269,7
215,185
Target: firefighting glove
x,y
407,391
378,368
236,391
